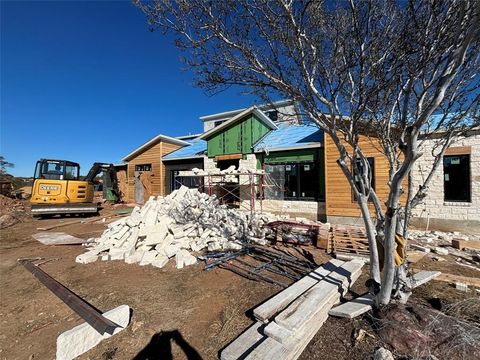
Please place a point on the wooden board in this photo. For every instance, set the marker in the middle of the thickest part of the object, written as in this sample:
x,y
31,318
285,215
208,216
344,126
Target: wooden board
x,y
353,308
462,244
323,294
274,305
246,342
452,279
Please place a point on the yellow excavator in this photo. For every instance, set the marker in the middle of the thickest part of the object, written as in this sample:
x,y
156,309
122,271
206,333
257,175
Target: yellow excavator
x,y
58,188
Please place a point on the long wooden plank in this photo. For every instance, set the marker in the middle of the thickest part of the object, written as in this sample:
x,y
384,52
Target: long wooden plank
x,y
274,305
245,343
321,294
353,308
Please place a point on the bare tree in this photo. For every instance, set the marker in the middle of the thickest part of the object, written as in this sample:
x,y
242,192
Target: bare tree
x,y
356,68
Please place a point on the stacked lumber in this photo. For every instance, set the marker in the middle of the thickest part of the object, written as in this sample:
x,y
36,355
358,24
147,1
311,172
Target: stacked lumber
x,y
287,322
185,221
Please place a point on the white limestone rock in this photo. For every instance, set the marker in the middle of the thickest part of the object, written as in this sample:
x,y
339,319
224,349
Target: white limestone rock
x,y
81,338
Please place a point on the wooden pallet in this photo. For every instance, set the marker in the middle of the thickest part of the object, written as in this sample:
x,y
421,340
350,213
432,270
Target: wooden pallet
x,y
349,240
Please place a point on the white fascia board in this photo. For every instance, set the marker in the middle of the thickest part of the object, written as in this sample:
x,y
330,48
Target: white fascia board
x,y
228,114
154,140
185,158
251,110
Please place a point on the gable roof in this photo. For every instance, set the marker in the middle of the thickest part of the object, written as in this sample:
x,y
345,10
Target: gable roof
x,y
195,149
290,137
251,110
156,139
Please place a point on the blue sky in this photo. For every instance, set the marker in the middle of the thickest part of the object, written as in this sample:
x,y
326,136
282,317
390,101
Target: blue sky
x,y
87,81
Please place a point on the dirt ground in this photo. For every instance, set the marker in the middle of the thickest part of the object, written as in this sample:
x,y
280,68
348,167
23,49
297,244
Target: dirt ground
x,y
177,314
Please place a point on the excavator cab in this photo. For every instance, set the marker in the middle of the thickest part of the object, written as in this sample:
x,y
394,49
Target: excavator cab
x,y
56,170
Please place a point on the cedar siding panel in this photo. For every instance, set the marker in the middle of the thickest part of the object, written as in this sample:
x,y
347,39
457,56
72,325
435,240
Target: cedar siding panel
x,y
339,196
151,155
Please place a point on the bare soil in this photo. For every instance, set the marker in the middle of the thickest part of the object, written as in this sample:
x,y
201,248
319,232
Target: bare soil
x,y
177,314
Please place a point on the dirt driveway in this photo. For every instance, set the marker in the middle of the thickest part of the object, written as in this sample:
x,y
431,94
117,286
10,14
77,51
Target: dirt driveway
x,y
177,314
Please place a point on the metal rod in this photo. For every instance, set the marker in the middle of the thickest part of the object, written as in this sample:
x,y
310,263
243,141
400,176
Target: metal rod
x,y
86,311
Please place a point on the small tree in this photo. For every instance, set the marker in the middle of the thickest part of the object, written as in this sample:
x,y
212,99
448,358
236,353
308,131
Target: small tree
x,y
4,164
376,68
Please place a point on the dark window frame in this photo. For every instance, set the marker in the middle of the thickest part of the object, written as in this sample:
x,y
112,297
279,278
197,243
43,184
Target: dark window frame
x,y
468,198
298,192
143,167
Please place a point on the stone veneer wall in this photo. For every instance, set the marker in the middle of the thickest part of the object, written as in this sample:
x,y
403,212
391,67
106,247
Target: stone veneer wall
x,y
440,214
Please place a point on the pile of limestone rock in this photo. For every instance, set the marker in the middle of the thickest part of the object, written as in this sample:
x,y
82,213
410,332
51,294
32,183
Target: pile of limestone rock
x,y
174,226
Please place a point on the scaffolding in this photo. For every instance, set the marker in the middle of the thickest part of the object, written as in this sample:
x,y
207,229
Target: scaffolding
x,y
228,191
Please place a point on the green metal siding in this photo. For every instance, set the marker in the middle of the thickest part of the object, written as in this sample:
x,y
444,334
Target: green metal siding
x,y
237,138
279,157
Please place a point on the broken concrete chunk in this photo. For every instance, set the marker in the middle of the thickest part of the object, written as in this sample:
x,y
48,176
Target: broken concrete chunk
x,y
87,257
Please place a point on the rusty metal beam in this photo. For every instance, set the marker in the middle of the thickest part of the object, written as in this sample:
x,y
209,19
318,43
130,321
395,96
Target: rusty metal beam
x,y
86,311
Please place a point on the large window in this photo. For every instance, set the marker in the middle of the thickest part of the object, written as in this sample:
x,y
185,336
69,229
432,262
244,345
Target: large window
x,y
456,172
295,181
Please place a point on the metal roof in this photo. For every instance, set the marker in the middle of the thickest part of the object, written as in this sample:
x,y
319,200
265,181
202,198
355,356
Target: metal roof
x,y
289,137
157,138
195,149
251,110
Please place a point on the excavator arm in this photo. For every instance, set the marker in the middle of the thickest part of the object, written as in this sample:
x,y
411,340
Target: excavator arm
x,y
110,181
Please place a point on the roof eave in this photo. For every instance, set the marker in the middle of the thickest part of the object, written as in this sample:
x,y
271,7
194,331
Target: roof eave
x,y
253,109
184,158
153,141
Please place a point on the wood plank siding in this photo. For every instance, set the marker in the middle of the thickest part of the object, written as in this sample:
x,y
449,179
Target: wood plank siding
x,y
151,155
339,195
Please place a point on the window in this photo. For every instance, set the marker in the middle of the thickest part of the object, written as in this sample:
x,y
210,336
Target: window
x,y
456,178
143,167
273,115
298,181
216,123
71,172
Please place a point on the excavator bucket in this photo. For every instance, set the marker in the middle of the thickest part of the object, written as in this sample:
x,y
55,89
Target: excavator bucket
x,y
68,208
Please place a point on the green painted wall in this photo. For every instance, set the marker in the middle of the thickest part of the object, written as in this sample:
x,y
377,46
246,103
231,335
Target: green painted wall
x,y
279,157
237,138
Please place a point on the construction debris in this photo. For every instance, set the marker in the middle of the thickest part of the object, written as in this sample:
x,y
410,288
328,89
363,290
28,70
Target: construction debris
x,y
184,221
301,315
12,211
57,238
81,338
91,315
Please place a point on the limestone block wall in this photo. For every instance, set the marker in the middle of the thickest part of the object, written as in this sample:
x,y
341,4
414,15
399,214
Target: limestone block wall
x,y
434,209
308,209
